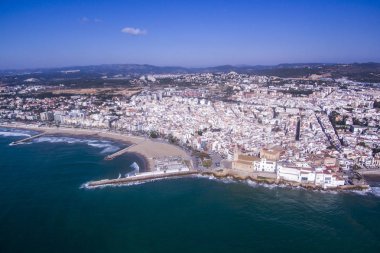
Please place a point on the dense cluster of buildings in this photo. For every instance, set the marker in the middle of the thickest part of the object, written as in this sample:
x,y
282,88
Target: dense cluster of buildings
x,y
299,130
271,163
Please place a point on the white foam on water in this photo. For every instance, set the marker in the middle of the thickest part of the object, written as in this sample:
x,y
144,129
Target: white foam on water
x,y
87,186
327,191
256,184
14,134
106,146
227,180
136,169
375,191
213,178
251,183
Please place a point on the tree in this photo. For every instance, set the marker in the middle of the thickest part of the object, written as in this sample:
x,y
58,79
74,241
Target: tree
x,y
153,134
172,139
207,163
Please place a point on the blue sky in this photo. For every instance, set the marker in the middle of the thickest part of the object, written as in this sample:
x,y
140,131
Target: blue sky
x,y
187,33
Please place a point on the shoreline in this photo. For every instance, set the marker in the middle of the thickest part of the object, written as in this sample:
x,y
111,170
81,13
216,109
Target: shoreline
x,y
372,179
148,161
146,149
223,174
268,181
265,182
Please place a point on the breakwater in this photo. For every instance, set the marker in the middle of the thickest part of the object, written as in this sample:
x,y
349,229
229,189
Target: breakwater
x,y
140,178
118,153
26,139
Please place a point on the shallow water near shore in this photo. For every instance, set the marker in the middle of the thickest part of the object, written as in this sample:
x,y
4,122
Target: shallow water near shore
x,y
44,209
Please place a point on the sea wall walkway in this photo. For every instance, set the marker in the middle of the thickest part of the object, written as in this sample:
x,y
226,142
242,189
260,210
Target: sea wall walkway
x,y
126,180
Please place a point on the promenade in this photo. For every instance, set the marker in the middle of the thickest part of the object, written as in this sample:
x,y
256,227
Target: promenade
x,y
153,176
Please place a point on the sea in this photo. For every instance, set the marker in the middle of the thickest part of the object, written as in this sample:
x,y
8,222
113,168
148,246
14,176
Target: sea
x,y
44,207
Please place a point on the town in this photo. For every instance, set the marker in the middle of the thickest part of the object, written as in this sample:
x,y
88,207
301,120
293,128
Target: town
x,y
315,130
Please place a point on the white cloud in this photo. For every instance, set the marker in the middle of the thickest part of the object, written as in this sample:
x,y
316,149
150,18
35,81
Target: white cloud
x,y
84,19
134,31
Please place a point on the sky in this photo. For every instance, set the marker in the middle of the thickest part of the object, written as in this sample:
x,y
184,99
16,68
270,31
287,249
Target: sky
x,y
188,33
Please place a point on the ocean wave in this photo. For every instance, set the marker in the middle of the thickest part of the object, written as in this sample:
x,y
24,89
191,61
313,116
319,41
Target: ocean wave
x,y
136,169
211,177
375,191
372,191
106,146
268,186
226,180
14,134
254,184
88,187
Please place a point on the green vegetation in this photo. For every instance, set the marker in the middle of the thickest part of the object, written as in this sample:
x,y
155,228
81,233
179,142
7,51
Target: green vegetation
x,y
207,163
173,139
153,134
297,93
360,122
375,150
201,155
337,119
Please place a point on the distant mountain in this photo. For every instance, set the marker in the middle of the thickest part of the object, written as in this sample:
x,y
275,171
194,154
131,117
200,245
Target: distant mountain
x,y
366,72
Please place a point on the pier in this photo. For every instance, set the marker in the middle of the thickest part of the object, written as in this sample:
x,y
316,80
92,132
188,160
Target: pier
x,y
118,153
26,139
124,150
140,178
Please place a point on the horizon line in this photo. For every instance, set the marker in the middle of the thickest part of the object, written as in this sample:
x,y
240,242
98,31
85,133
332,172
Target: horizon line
x,y
192,67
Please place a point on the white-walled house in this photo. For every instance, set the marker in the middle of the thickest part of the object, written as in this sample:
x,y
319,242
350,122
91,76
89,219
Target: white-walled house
x,y
288,172
265,165
318,176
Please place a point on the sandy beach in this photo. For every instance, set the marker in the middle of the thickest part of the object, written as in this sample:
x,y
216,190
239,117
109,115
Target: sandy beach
x,y
147,148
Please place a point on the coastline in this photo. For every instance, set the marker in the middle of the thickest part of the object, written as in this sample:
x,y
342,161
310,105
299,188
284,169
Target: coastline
x,y
146,149
372,179
221,174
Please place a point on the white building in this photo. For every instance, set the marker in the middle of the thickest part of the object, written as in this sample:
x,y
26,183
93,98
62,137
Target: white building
x,y
265,165
288,172
307,175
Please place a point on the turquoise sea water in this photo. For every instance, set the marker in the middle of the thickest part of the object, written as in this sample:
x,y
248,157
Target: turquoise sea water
x,y
44,209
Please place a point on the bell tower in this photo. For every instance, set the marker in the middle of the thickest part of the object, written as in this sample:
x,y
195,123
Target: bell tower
x,y
236,153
